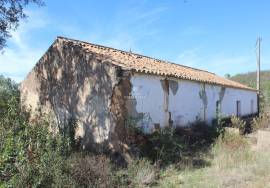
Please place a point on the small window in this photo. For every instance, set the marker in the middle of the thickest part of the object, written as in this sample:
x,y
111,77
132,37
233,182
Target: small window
x,y
252,106
218,109
238,108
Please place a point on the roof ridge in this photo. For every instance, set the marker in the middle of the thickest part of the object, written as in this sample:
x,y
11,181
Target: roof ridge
x,y
155,59
190,73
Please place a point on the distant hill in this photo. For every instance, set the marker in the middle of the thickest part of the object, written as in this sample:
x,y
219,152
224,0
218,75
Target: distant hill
x,y
249,79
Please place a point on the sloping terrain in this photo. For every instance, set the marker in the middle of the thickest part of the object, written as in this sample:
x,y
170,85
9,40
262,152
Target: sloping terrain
x,y
233,162
249,79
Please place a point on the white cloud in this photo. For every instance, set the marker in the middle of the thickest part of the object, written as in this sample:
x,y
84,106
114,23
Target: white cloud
x,y
127,28
137,23
19,57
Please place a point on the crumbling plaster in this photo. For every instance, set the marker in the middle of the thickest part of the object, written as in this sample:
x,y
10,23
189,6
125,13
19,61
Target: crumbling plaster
x,y
174,102
69,83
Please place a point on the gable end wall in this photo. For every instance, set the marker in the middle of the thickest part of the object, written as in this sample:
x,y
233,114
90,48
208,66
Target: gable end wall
x,y
69,84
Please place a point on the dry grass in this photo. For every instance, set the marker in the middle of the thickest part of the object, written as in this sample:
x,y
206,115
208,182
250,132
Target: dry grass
x,y
261,122
233,164
90,170
140,173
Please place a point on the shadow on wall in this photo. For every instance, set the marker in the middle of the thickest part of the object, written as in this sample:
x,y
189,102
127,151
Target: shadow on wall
x,y
78,85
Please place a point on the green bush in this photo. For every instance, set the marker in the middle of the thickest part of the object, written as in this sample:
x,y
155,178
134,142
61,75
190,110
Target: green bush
x,y
30,156
8,89
207,133
163,146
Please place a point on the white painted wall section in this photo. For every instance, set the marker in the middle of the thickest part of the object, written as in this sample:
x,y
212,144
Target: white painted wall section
x,y
149,97
188,101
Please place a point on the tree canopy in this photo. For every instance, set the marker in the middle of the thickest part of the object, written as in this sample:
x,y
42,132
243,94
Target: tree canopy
x,y
8,89
11,12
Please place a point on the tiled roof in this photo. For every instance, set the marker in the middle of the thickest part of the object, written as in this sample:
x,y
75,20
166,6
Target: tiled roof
x,y
148,65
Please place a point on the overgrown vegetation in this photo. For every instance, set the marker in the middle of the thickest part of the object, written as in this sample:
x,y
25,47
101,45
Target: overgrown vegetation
x,y
170,146
29,154
232,164
261,122
199,156
8,89
238,123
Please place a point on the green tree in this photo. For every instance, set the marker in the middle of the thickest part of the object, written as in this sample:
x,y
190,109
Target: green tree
x,y
11,12
228,76
30,155
8,89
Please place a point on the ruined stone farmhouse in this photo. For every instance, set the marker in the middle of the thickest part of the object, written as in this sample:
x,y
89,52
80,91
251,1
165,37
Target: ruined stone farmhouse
x,y
104,89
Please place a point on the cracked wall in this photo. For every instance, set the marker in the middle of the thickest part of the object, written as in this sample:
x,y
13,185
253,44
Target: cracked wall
x,y
203,97
69,83
146,102
174,102
166,92
221,93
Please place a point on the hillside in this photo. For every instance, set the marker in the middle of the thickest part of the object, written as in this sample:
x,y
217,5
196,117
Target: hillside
x,y
249,79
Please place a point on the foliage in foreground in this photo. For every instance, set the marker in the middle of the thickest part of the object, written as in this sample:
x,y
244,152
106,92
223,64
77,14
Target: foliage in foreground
x,y
261,122
169,145
237,122
232,164
8,89
29,154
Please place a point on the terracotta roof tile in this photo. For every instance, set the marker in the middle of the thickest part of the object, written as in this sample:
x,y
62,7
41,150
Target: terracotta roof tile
x,y
148,65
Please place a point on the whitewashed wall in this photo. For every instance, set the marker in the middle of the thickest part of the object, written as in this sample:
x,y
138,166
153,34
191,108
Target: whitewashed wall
x,y
149,100
187,101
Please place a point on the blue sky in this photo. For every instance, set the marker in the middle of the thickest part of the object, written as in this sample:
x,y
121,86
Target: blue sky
x,y
214,35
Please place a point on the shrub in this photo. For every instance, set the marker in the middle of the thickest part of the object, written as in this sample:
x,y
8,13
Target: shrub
x,y
164,146
139,173
236,122
231,150
89,170
30,156
261,122
230,141
8,89
219,126
207,133
170,145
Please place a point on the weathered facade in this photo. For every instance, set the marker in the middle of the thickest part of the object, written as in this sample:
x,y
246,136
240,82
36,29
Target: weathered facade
x,y
183,102
103,88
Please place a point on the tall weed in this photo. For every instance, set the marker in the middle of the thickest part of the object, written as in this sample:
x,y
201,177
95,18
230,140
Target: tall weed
x,y
261,122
